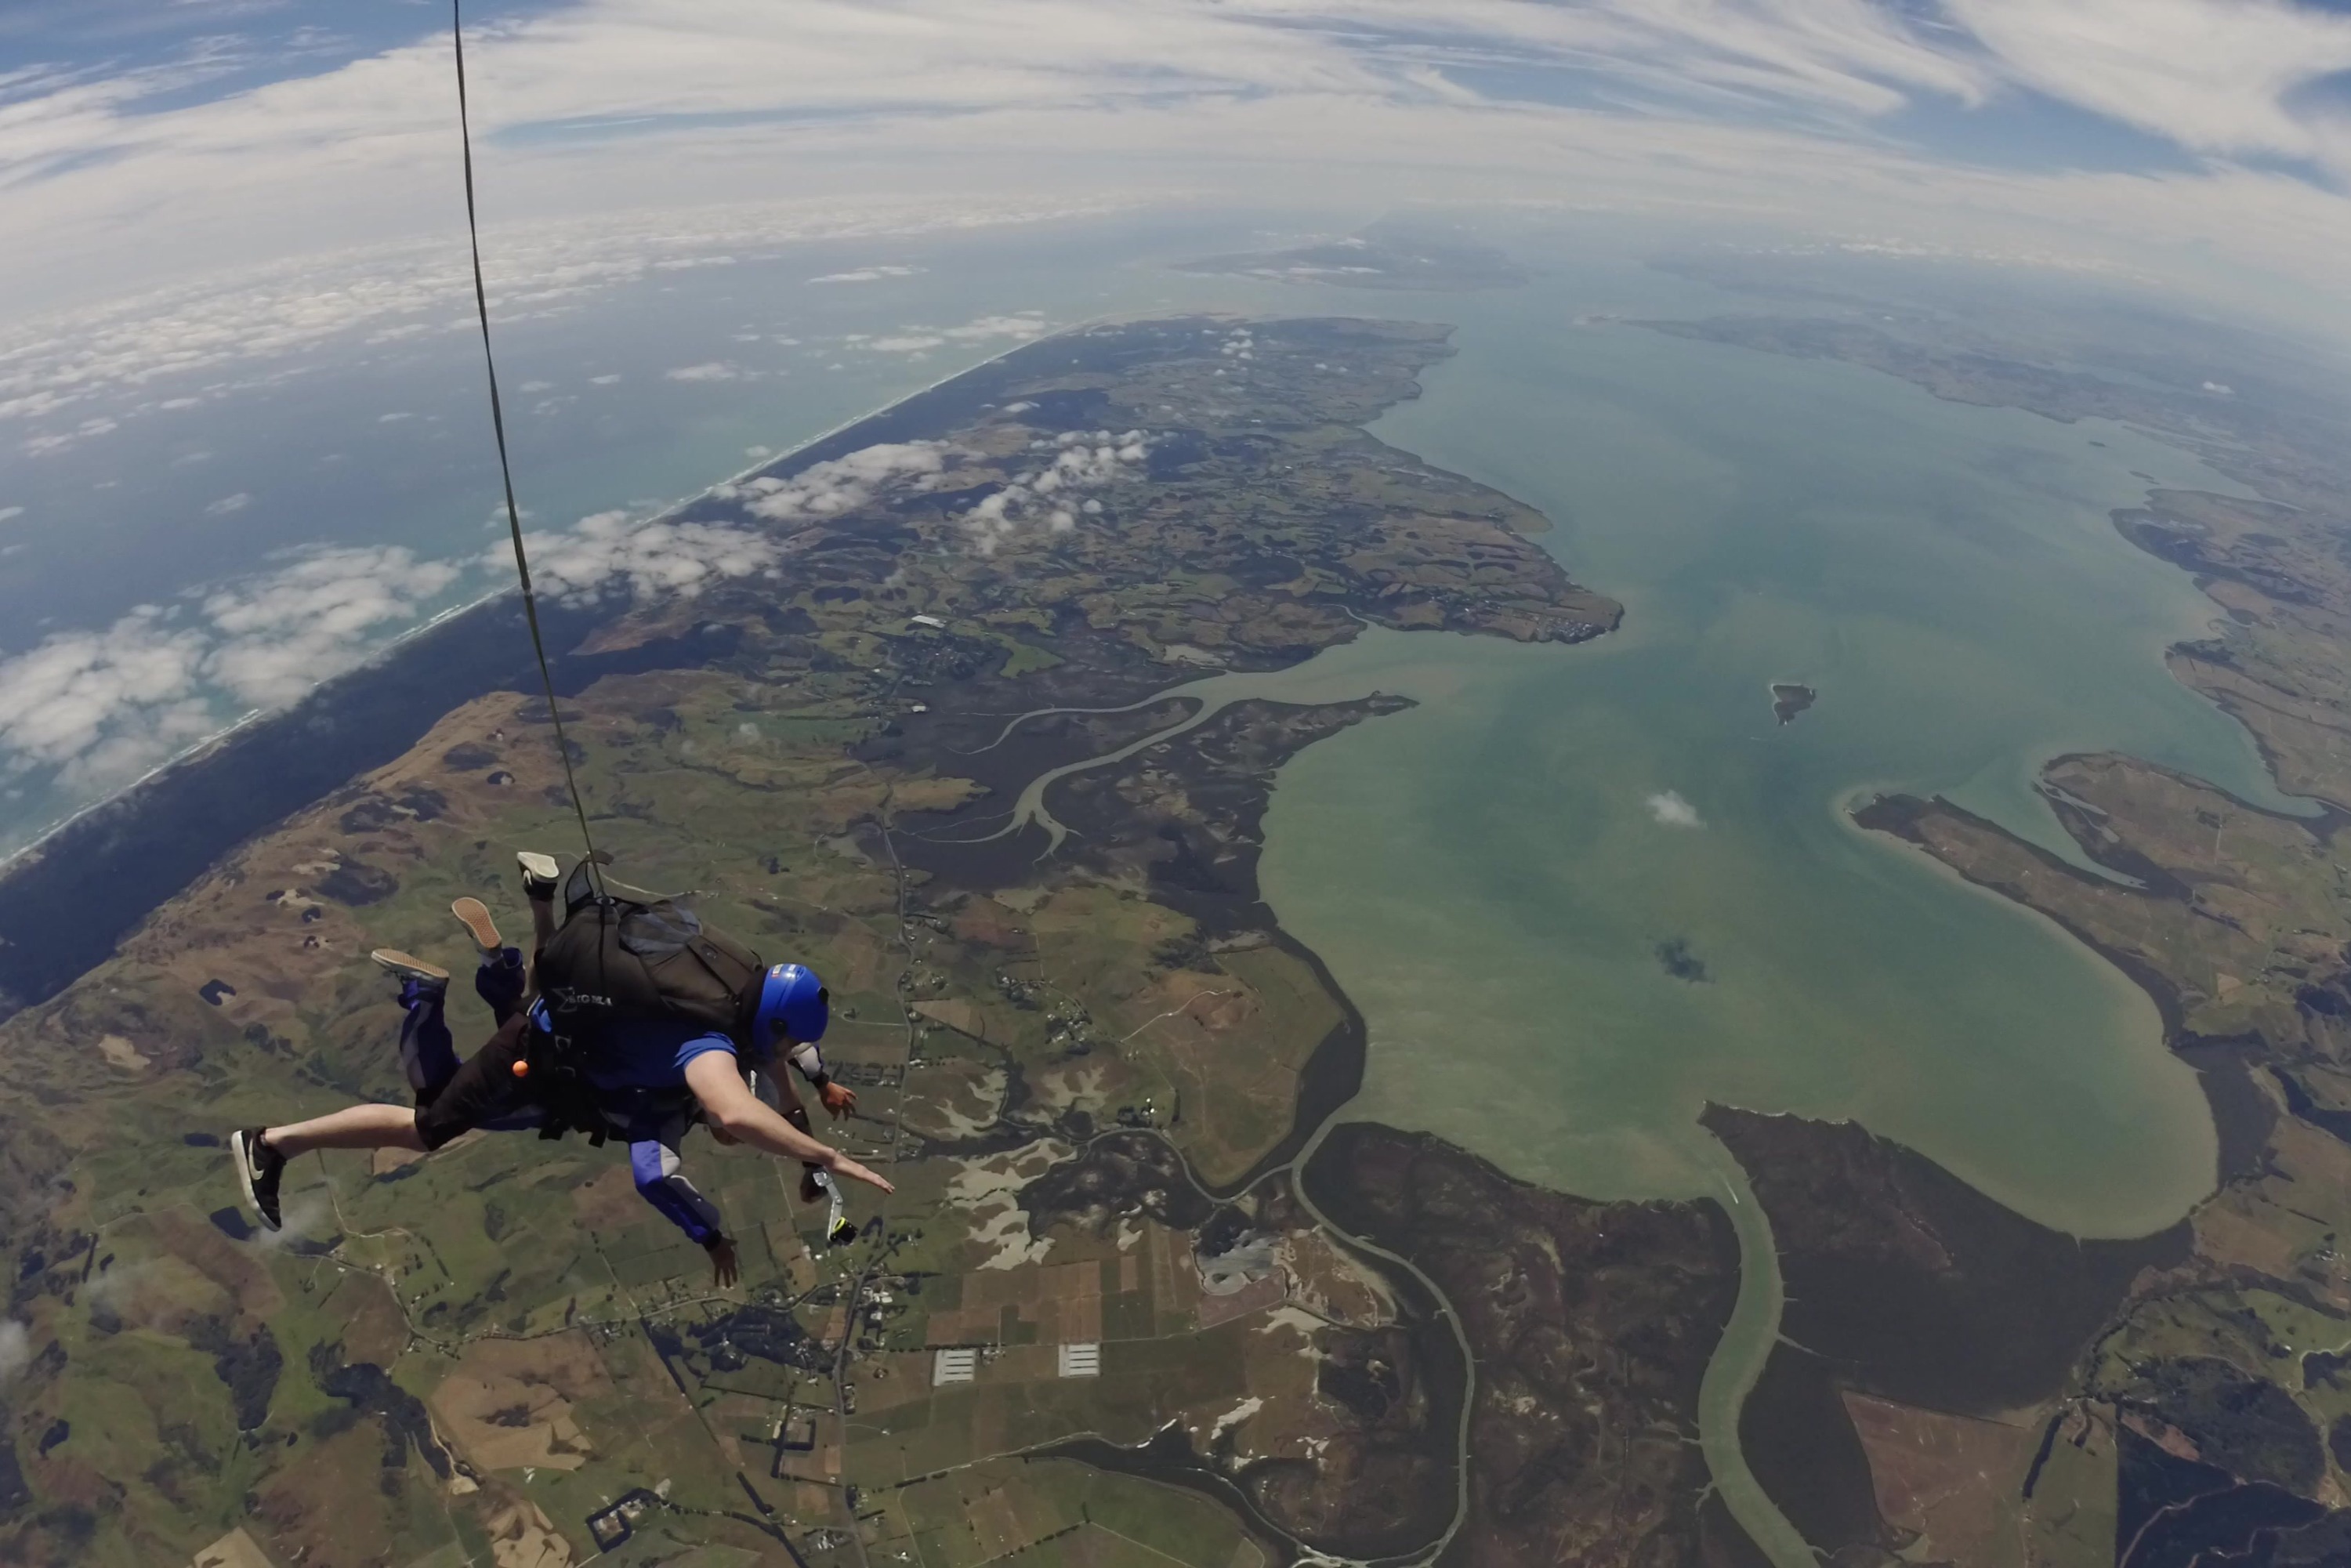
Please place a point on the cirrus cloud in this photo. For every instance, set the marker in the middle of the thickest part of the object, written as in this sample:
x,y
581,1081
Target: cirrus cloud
x,y
1791,107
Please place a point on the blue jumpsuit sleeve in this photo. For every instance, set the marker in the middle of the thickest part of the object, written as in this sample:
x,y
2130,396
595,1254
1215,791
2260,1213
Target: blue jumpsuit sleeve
x,y
661,1181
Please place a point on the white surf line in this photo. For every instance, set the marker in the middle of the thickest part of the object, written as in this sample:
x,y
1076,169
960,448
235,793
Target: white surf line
x,y
196,751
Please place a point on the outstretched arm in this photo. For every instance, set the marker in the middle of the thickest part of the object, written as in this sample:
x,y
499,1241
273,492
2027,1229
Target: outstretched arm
x,y
729,1105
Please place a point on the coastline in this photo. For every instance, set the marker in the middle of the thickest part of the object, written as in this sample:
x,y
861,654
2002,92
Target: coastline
x,y
781,464
88,880
1195,850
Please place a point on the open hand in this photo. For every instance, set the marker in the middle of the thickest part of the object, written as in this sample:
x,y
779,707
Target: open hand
x,y
724,1271
839,1099
842,1165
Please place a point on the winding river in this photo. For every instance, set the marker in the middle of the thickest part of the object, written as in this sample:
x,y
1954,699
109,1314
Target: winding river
x,y
1579,893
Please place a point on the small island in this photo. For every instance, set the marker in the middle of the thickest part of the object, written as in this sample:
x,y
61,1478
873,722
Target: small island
x,y
1788,699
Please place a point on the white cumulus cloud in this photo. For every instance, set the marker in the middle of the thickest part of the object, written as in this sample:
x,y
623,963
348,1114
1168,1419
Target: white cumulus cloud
x,y
283,633
1021,324
103,706
1054,491
867,275
615,552
229,504
830,488
100,707
711,371
1671,810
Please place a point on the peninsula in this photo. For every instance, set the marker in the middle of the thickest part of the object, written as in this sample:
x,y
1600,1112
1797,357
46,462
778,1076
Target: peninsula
x,y
1105,1306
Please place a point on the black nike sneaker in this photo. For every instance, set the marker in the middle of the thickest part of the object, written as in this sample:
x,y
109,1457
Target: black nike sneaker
x,y
259,1168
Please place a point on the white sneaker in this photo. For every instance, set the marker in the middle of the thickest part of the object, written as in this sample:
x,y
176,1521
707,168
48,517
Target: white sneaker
x,y
407,968
539,873
475,916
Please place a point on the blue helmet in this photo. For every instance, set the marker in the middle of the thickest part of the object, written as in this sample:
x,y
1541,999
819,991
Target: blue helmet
x,y
793,1003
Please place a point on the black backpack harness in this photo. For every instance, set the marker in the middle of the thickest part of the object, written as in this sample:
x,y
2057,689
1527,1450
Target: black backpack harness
x,y
623,954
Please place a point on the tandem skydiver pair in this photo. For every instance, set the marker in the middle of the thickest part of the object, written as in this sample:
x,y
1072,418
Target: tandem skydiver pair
x,y
644,1024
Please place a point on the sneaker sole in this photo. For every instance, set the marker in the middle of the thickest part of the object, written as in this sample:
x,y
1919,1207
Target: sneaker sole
x,y
244,1181
408,967
537,870
475,916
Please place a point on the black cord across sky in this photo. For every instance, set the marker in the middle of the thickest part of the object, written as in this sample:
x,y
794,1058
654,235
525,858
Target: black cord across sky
x,y
499,428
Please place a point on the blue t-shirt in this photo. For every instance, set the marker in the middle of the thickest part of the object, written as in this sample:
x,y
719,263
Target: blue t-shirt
x,y
642,1055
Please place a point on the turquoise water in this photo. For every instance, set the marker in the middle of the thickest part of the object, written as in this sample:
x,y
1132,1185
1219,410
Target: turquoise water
x,y
1492,875
1497,876
1948,578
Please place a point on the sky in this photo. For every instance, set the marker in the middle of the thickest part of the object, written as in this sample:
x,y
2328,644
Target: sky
x,y
144,141
236,244
204,179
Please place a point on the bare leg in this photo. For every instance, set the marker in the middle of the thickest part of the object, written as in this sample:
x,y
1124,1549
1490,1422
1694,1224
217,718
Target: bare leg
x,y
354,1127
542,920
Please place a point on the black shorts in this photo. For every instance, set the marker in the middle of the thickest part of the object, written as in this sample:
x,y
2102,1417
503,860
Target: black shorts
x,y
483,1091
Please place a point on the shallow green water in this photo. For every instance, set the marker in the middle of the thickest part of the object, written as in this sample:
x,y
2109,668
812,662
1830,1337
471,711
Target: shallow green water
x,y
1491,875
1949,580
